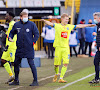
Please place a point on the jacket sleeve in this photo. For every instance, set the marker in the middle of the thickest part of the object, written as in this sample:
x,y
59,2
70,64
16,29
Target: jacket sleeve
x,y
95,29
13,32
35,33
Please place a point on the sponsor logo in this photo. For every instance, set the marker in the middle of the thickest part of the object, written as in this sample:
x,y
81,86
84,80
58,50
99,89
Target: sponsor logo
x,y
64,34
18,30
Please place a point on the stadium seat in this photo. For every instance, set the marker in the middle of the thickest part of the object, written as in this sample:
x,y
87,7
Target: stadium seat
x,y
56,3
87,8
20,4
17,3
47,3
23,3
37,62
1,4
11,3
29,3
38,3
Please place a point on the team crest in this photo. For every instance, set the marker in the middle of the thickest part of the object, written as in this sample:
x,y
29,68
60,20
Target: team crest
x,y
67,28
99,29
11,54
27,30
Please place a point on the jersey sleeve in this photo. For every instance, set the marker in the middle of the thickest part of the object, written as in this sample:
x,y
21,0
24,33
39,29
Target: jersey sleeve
x,y
55,25
72,27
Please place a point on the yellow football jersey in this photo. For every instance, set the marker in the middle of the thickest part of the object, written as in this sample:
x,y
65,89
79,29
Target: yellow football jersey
x,y
62,34
12,45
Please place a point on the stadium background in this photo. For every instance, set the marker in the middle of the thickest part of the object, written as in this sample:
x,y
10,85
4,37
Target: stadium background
x,y
76,9
78,67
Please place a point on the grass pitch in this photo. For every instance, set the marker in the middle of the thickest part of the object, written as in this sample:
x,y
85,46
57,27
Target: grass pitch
x,y
80,67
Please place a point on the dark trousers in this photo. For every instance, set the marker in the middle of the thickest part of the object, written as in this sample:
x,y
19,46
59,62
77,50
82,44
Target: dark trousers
x,y
50,50
74,48
0,57
45,44
31,64
81,46
96,64
86,45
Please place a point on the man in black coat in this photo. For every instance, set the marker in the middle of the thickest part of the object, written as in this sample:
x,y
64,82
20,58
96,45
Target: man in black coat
x,y
97,56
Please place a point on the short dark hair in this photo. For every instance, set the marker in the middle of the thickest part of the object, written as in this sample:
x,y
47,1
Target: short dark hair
x,y
11,14
82,20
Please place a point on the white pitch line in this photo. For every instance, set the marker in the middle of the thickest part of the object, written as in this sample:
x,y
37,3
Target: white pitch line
x,y
51,76
75,81
38,80
15,88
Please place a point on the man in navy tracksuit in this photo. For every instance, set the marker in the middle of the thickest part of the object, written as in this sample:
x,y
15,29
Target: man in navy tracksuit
x,y
25,31
97,56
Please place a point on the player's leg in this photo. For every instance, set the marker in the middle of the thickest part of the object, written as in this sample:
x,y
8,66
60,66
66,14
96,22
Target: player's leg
x,y
48,50
65,56
86,45
12,58
74,48
71,51
57,62
96,64
11,54
52,50
63,71
90,45
5,59
16,70
79,47
34,72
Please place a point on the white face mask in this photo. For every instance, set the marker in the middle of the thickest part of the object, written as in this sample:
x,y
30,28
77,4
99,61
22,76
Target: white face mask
x,y
95,21
25,20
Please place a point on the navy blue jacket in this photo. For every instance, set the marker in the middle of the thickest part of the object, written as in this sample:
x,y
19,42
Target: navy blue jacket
x,y
81,33
25,39
88,34
98,36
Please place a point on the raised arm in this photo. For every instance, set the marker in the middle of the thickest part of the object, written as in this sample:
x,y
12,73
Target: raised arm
x,y
85,25
47,22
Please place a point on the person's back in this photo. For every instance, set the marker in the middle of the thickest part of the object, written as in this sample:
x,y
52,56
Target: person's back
x,y
89,33
81,33
73,39
49,34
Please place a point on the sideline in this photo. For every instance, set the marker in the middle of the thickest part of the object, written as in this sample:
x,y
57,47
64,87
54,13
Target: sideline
x,y
75,81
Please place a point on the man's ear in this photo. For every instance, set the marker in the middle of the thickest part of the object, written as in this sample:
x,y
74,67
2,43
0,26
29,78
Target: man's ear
x,y
21,17
61,19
